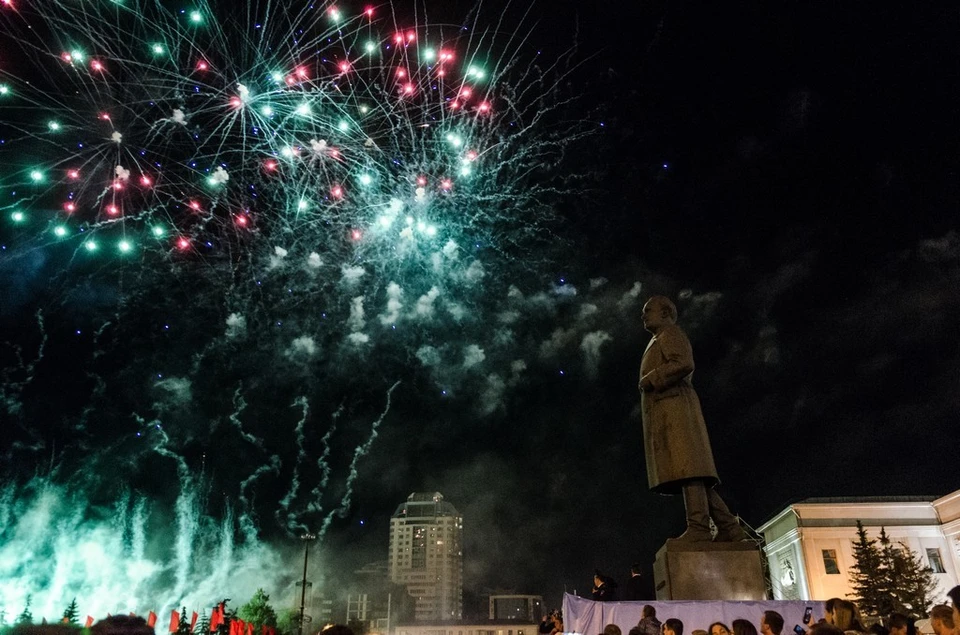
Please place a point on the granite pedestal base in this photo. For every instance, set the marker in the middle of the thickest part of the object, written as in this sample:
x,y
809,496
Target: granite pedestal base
x,y
709,571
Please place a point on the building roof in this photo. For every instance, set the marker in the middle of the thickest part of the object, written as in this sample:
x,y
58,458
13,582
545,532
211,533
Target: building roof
x,y
424,505
826,500
847,500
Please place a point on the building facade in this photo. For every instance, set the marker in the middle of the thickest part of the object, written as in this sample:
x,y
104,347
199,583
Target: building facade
x,y
809,545
519,608
425,556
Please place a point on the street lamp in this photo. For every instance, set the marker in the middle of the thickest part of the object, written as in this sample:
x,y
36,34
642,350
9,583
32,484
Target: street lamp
x,y
306,538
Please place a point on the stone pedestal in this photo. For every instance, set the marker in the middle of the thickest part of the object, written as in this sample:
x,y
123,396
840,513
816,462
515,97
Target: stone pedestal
x,y
709,571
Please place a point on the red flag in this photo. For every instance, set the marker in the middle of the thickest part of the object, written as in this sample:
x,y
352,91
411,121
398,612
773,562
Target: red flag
x,y
193,620
263,629
234,626
216,619
152,619
174,621
89,622
249,628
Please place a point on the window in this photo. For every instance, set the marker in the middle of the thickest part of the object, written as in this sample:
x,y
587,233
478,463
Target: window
x,y
936,562
419,560
830,561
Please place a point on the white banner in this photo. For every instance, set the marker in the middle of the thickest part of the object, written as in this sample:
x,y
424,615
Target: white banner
x,y
587,617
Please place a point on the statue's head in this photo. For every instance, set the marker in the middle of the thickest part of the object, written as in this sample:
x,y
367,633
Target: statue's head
x,y
658,312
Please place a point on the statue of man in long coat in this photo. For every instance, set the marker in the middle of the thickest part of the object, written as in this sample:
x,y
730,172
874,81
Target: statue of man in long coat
x,y
679,457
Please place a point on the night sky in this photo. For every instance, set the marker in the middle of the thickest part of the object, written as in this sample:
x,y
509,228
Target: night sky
x,y
787,172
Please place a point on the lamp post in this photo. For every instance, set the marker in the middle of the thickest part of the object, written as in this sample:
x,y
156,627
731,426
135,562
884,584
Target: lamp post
x,y
306,538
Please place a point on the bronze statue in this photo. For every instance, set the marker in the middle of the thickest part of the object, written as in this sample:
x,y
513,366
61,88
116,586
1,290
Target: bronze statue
x,y
675,438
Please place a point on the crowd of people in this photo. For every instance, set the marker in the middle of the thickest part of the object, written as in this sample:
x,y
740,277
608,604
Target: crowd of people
x,y
129,625
842,617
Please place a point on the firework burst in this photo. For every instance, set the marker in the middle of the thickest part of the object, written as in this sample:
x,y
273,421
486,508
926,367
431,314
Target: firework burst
x,y
361,137
253,207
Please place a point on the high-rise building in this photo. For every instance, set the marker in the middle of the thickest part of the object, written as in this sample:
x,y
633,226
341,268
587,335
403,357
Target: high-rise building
x,y
426,556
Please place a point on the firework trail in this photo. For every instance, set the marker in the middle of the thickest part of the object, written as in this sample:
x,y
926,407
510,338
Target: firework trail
x,y
323,464
247,520
283,511
358,454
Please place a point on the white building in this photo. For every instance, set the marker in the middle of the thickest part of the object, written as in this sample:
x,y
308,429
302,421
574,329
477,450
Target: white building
x,y
426,556
809,545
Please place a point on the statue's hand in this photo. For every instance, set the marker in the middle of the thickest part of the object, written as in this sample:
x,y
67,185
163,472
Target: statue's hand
x,y
645,383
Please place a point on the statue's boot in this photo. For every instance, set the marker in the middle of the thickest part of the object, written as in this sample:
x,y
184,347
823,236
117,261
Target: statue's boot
x,y
728,527
698,514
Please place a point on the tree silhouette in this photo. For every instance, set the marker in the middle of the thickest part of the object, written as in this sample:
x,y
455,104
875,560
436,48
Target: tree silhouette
x,y
866,577
183,626
26,617
71,614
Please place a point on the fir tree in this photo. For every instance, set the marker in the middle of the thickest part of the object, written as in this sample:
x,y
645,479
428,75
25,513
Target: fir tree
x,y
258,610
915,584
203,625
890,575
865,573
26,617
183,628
70,615
889,578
